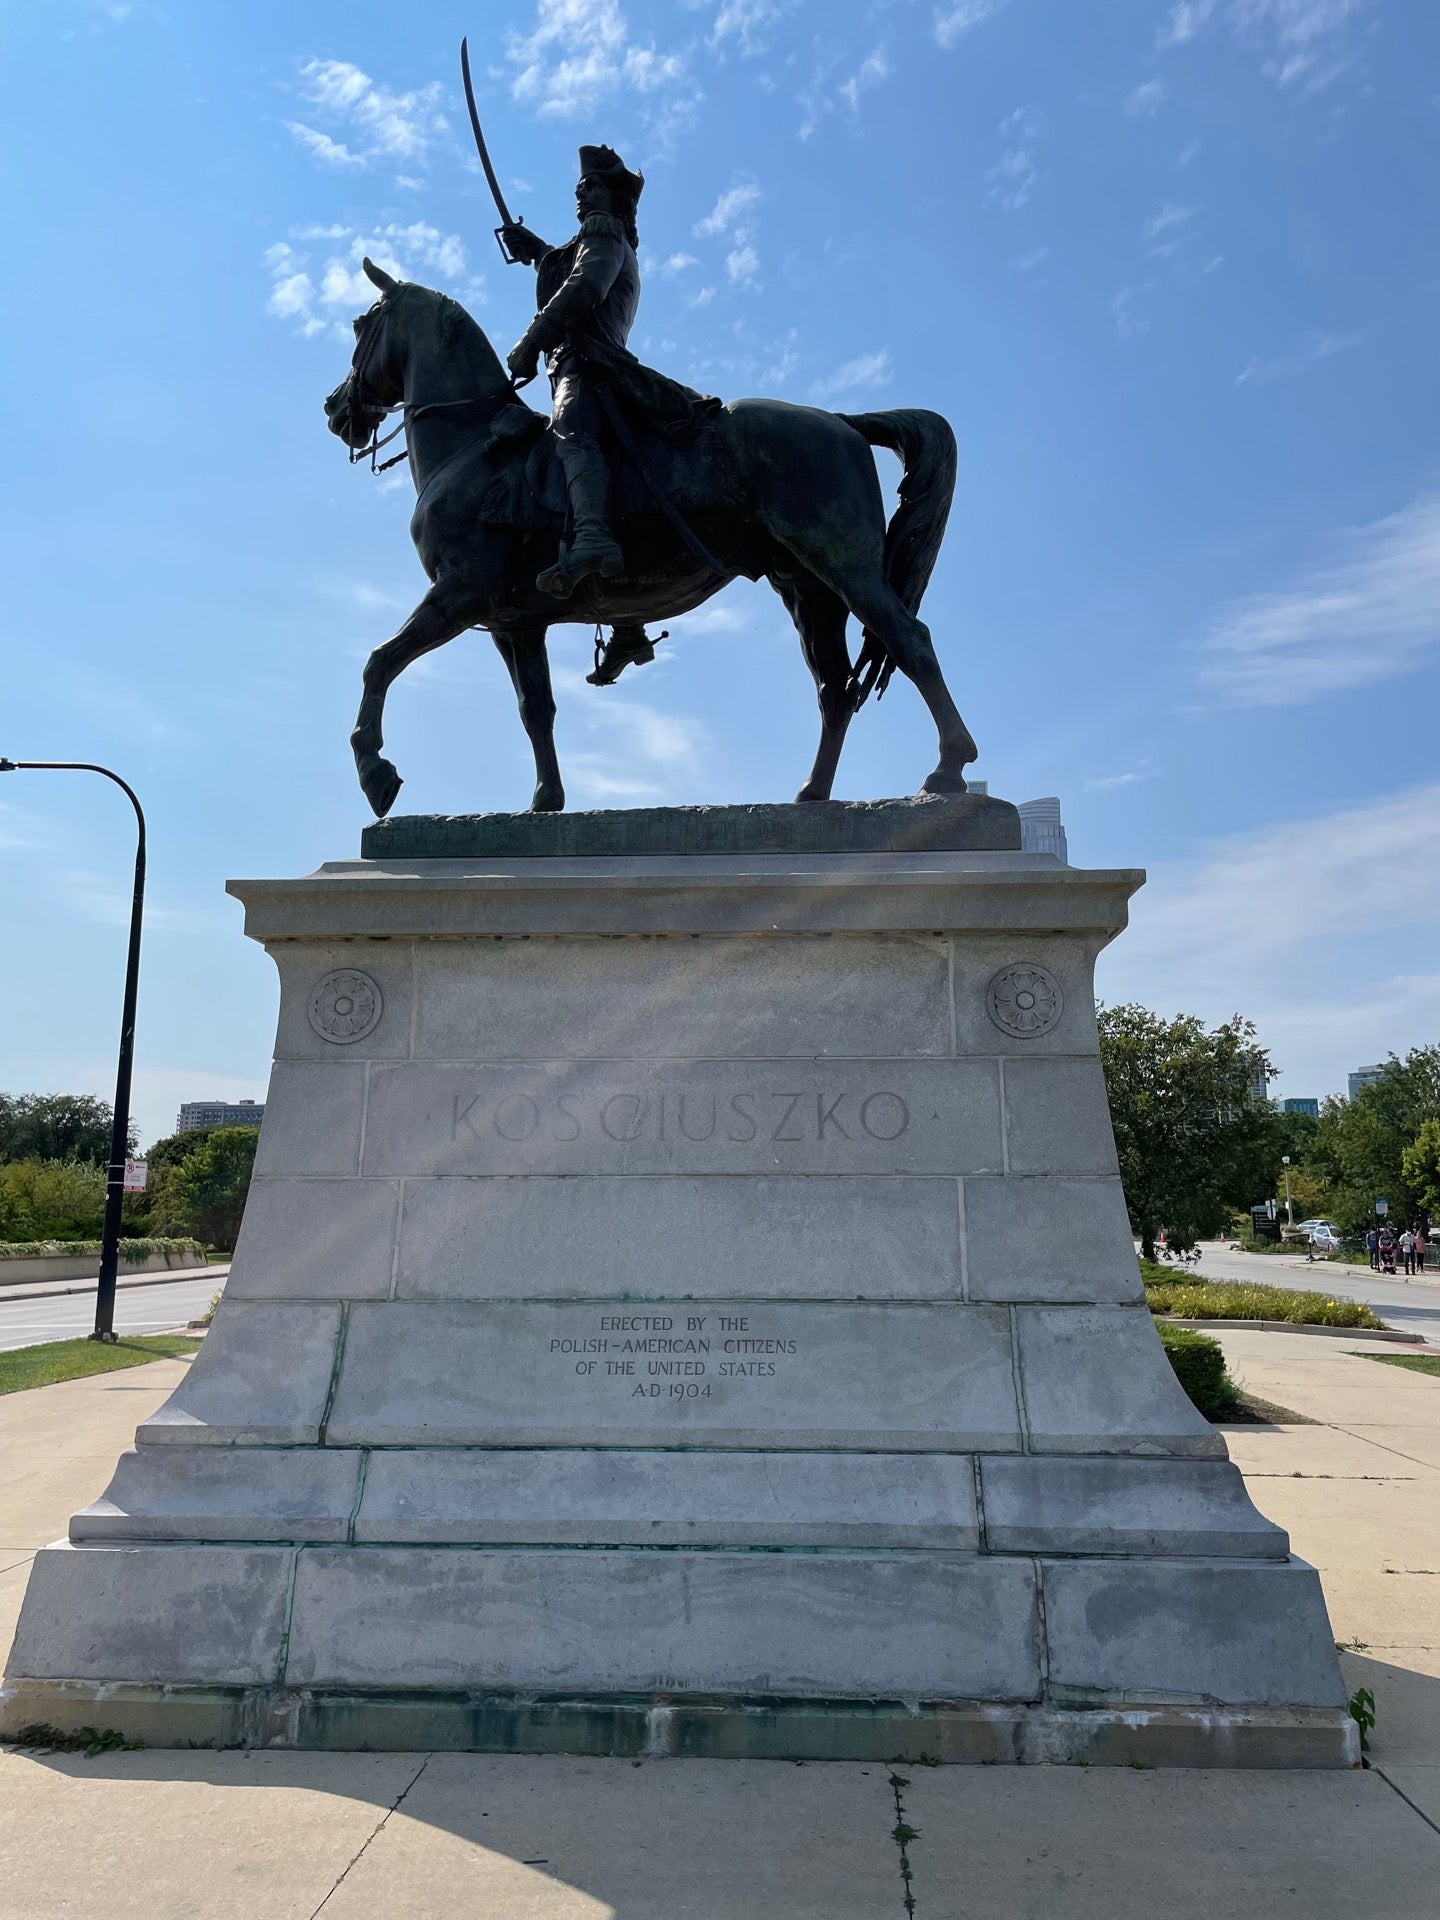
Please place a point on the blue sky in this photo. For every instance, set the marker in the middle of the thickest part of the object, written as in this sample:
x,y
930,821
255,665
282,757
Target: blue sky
x,y
1170,271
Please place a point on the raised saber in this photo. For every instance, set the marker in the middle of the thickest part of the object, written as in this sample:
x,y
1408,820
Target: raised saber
x,y
510,259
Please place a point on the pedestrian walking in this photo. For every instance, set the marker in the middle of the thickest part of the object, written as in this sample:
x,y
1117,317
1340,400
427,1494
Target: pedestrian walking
x,y
1422,1247
1407,1250
1387,1251
1372,1242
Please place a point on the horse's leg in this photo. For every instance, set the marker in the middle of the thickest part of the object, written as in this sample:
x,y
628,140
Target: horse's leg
x,y
521,646
861,585
448,608
819,616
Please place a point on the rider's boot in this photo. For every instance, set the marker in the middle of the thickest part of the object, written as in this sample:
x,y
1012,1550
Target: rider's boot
x,y
594,548
628,646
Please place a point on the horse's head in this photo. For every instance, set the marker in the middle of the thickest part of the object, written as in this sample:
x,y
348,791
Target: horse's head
x,y
410,333
375,382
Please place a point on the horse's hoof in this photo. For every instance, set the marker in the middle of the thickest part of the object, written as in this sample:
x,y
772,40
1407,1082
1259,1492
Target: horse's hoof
x,y
810,793
381,785
548,799
944,783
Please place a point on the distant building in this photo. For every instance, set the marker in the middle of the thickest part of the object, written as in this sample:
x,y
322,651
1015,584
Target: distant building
x,y
1363,1077
1041,829
1260,1085
219,1113
1305,1105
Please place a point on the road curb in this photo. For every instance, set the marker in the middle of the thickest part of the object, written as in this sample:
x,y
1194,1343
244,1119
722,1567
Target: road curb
x,y
1297,1326
59,1292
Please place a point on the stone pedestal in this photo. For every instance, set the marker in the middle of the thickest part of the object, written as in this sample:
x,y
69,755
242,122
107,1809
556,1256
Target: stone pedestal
x,y
686,1304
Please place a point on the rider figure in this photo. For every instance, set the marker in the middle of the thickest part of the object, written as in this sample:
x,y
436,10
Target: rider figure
x,y
587,293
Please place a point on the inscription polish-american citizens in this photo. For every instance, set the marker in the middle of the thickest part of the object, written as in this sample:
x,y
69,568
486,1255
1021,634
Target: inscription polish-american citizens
x,y
699,1116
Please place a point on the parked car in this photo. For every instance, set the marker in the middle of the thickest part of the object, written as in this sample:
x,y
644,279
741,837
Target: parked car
x,y
1324,1238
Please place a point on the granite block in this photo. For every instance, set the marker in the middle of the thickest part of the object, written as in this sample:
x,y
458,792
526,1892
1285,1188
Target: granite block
x,y
1096,1380
231,1493
699,1116
316,1240
469,1496
1182,1632
1196,1508
1049,1237
806,1624
812,1375
885,995
1057,1118
174,1614
314,1118
675,1236
262,1378
303,964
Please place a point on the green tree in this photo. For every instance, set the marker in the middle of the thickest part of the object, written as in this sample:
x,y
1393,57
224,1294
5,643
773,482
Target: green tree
x,y
209,1186
51,1200
1360,1144
1420,1168
56,1126
1195,1137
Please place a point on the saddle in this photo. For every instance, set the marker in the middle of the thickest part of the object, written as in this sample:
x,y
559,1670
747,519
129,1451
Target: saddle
x,y
663,438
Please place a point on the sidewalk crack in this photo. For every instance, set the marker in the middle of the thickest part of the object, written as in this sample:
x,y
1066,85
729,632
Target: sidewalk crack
x,y
374,1834
902,1833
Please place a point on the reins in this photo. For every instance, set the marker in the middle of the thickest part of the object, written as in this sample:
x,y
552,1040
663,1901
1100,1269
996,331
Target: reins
x,y
408,411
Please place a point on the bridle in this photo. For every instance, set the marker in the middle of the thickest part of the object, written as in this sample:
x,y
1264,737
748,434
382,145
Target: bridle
x,y
408,410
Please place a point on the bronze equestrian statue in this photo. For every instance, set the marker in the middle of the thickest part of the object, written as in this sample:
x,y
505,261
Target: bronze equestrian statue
x,y
638,500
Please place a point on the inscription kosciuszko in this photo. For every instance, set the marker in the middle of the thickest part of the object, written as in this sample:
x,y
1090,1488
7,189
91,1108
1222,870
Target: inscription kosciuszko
x,y
792,1117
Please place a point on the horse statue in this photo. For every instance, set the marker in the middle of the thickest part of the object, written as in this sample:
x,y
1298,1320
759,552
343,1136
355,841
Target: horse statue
x,y
764,489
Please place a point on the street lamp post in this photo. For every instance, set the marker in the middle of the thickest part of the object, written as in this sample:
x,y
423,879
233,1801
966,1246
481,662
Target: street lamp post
x,y
120,1124
1289,1210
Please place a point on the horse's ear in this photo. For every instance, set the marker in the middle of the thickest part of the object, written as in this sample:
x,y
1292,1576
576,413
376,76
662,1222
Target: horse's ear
x,y
385,281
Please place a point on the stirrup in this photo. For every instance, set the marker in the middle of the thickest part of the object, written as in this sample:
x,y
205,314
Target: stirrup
x,y
581,559
620,652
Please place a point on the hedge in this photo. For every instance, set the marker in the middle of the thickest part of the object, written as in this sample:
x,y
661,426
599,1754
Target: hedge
x,y
1253,1300
1199,1364
73,1249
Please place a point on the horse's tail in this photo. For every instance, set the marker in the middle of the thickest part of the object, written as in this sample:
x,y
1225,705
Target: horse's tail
x,y
926,446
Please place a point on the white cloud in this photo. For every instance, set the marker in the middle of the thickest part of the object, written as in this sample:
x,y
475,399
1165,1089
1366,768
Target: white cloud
x,y
580,54
1373,616
1185,22
1129,321
330,153
872,70
1013,177
1296,35
384,125
1309,968
319,294
1169,217
731,212
866,370
675,263
1146,99
960,17
1308,351
644,754
748,23
701,297
1029,261
742,263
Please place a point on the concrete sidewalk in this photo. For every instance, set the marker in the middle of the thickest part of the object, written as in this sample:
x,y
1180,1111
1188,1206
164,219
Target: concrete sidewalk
x,y
197,1836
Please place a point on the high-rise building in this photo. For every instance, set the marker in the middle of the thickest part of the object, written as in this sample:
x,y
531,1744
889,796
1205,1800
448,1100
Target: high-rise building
x,y
1301,1105
195,1114
1363,1077
1041,828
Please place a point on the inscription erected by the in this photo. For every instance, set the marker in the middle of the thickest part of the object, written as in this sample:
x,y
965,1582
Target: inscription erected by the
x,y
657,1356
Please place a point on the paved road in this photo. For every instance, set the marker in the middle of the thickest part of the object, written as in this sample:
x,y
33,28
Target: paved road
x,y
61,1316
1412,1308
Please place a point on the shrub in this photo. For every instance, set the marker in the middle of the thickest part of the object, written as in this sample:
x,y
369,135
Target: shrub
x,y
129,1249
209,1186
1199,1364
51,1200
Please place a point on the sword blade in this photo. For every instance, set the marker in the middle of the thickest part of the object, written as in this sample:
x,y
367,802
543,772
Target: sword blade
x,y
481,148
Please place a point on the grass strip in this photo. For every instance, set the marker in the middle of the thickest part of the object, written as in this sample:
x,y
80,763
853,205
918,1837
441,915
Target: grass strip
x,y
1416,1362
76,1359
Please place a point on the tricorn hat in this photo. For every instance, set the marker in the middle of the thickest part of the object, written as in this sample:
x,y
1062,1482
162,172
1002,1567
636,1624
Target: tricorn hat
x,y
605,164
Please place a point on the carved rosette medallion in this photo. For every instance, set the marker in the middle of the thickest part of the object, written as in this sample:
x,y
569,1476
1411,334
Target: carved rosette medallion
x,y
1024,1001
345,1006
